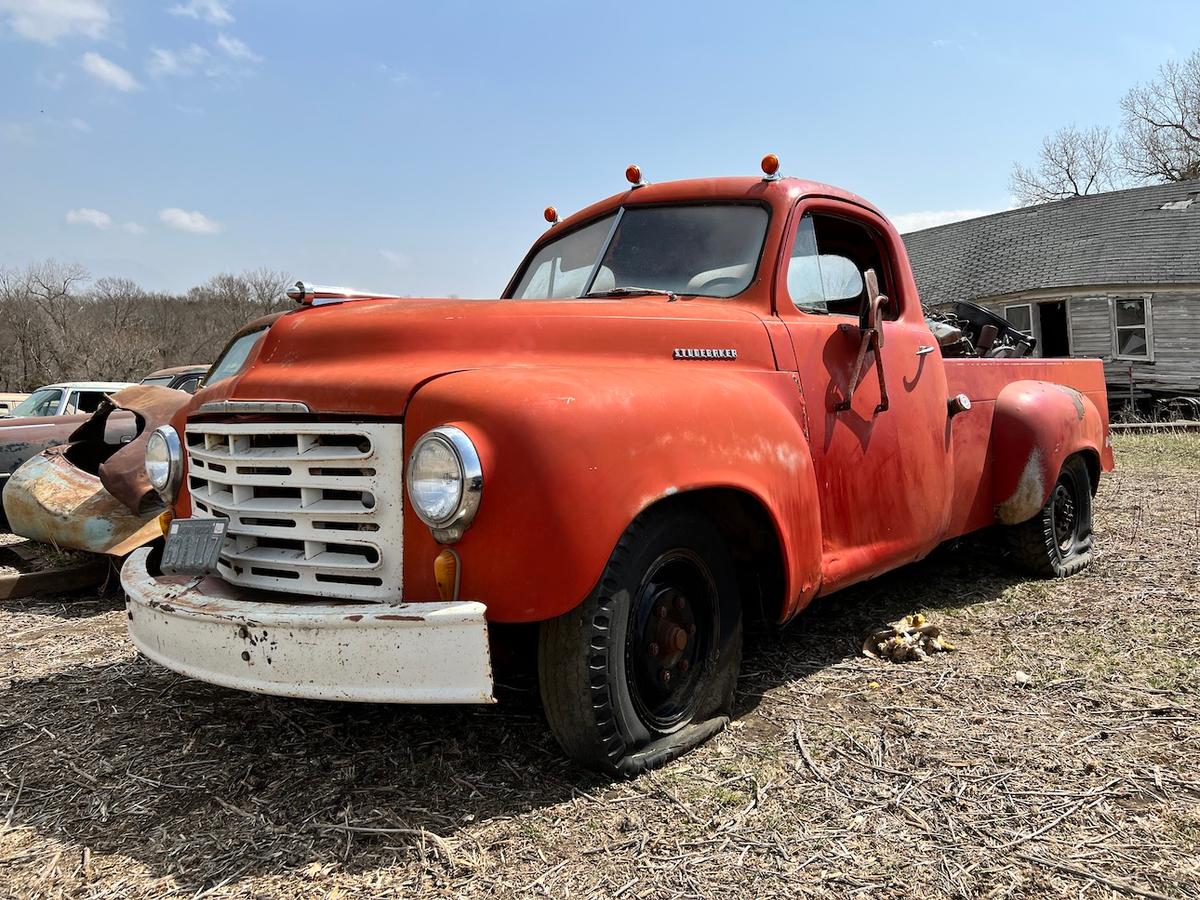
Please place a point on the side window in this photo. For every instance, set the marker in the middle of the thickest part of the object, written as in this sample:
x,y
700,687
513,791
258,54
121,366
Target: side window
x,y
827,270
1131,328
189,385
86,401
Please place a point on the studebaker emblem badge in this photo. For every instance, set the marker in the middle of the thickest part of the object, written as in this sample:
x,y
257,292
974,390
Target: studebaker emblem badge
x,y
705,353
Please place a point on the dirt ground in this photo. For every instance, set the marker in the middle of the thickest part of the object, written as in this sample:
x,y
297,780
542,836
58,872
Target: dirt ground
x,y
1056,753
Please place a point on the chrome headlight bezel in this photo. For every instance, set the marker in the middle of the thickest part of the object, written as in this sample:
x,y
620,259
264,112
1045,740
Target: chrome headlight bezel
x,y
169,487
450,527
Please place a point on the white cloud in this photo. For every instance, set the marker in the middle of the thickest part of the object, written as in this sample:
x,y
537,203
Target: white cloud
x,y
99,219
237,49
193,222
175,62
51,80
215,12
16,133
108,72
86,216
393,75
79,125
399,260
46,21
915,221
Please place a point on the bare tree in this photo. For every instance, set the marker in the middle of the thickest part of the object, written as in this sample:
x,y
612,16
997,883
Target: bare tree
x,y
54,327
1162,124
1071,163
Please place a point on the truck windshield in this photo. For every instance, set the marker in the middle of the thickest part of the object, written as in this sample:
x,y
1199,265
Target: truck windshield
x,y
701,251
39,403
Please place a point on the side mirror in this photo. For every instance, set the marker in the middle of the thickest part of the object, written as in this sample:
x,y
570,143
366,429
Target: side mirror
x,y
870,317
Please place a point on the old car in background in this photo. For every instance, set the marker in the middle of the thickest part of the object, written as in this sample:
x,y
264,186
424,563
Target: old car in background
x,y
8,400
695,402
178,378
65,399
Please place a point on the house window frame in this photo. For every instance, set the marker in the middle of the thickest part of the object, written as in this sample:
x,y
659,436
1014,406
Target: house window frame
x,y
1147,325
1032,319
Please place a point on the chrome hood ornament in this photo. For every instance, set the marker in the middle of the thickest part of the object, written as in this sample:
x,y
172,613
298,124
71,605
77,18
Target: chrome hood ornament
x,y
309,294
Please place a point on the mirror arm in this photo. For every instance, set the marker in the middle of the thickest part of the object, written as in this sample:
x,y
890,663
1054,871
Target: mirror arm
x,y
870,342
871,330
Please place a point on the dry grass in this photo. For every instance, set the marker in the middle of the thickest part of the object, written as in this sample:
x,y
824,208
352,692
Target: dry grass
x,y
842,775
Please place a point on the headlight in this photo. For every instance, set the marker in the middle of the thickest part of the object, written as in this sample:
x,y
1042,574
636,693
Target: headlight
x,y
164,461
445,481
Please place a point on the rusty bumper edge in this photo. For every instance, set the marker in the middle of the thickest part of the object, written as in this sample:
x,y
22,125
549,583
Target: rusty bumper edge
x,y
206,629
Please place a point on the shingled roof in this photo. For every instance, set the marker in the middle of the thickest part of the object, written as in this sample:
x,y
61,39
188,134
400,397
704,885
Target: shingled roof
x,y
1144,235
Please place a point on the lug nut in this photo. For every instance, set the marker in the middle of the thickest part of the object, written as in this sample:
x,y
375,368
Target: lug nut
x,y
662,611
692,629
666,676
680,603
683,665
654,649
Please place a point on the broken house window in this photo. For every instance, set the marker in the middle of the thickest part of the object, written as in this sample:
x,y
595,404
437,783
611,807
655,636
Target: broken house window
x,y
1131,317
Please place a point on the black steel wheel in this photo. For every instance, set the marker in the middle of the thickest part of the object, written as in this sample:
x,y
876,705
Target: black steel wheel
x,y
1057,542
645,668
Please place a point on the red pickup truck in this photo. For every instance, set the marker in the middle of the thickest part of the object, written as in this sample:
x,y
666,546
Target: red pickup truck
x,y
694,402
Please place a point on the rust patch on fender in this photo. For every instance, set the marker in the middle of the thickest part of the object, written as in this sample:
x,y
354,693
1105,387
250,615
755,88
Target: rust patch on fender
x,y
1029,495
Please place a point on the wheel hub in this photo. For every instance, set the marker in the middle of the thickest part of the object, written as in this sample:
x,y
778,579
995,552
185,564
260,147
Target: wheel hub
x,y
674,621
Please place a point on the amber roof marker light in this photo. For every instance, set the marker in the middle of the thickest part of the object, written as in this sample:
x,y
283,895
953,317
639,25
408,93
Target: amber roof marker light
x,y
770,167
633,174
551,215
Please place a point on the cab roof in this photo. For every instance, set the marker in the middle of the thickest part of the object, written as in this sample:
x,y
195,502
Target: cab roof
x,y
781,192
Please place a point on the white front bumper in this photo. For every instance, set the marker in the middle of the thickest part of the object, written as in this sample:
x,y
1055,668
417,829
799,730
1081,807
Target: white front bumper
x,y
371,652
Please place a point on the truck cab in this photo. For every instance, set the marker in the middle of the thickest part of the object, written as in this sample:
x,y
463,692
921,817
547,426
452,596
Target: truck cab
x,y
694,402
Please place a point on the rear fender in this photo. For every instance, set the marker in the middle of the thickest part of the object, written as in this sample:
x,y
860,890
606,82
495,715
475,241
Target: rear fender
x,y
1037,425
571,456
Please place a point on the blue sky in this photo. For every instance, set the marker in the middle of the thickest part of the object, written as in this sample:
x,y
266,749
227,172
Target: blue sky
x,y
412,147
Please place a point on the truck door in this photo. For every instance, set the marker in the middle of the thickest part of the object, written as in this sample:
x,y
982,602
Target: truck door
x,y
882,464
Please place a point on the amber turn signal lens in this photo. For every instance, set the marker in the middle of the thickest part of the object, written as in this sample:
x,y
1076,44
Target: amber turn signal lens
x,y
633,175
445,573
551,215
770,164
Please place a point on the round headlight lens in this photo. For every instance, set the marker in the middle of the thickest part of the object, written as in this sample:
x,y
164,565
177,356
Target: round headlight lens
x,y
435,481
164,461
445,481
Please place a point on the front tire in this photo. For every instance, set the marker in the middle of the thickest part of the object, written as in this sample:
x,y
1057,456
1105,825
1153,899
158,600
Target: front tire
x,y
645,668
1057,542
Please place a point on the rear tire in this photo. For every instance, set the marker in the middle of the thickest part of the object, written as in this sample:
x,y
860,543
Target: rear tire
x,y
645,668
1057,542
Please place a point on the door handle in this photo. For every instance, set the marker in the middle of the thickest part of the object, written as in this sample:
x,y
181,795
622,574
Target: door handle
x,y
924,350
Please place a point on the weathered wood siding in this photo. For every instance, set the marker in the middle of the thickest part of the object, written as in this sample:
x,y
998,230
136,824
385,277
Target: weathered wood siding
x,y
1175,332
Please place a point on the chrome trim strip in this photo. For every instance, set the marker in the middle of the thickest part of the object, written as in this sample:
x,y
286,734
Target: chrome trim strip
x,y
236,407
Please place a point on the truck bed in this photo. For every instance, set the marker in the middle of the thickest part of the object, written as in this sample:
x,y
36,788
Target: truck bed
x,y
973,449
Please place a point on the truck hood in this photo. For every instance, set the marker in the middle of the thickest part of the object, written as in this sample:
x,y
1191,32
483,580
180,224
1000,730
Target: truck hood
x,y
368,357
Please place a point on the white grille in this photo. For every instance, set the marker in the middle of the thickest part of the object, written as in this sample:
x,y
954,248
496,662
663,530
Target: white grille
x,y
313,508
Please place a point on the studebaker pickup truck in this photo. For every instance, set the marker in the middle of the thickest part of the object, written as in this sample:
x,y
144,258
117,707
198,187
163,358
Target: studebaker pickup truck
x,y
695,402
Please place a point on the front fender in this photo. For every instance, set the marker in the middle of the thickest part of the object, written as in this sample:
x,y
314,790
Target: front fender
x,y
571,456
1037,425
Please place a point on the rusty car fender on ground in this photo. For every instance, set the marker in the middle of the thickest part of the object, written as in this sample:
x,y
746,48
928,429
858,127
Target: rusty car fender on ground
x,y
573,455
1036,426
88,495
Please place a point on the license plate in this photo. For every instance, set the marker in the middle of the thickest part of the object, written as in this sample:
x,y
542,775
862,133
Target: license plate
x,y
193,546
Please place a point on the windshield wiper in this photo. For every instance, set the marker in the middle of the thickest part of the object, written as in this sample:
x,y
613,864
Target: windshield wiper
x,y
631,292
